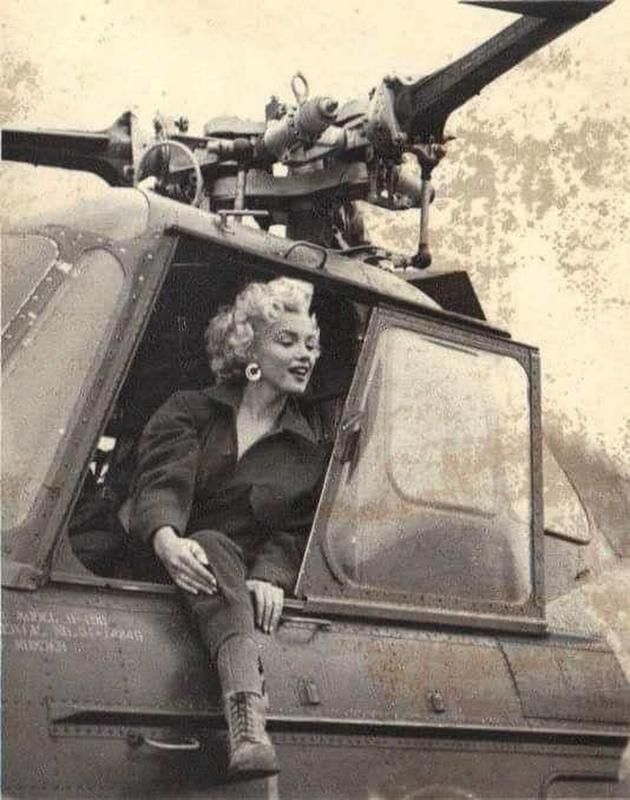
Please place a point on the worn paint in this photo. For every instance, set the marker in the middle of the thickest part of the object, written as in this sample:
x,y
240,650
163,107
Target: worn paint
x,y
533,200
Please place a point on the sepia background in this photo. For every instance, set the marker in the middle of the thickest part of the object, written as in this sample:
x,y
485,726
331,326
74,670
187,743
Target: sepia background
x,y
533,198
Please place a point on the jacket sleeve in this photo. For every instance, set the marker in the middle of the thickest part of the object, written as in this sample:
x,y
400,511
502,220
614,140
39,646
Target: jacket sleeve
x,y
168,457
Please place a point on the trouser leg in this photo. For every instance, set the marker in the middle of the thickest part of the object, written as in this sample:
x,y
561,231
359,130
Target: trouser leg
x,y
226,619
238,665
226,622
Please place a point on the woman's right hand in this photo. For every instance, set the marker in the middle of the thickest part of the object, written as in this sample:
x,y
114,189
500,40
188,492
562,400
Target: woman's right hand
x,y
185,561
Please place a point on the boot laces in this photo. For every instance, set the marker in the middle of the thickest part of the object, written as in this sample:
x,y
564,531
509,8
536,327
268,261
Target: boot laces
x,y
243,716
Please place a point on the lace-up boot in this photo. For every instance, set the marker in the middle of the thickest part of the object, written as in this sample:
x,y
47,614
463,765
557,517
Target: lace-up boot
x,y
251,751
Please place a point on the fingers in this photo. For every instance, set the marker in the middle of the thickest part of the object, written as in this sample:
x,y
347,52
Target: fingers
x,y
269,600
190,582
184,559
199,553
259,602
184,582
189,563
268,608
277,608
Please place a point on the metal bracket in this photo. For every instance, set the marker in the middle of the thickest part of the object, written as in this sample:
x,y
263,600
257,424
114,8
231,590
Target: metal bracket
x,y
317,622
350,436
310,695
436,700
309,246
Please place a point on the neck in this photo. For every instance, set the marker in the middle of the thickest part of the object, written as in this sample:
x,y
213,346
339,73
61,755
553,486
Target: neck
x,y
262,400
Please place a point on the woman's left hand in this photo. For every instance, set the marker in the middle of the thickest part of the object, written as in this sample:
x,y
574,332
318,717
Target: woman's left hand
x,y
268,600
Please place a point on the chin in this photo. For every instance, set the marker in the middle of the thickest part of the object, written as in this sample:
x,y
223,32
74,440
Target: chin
x,y
295,388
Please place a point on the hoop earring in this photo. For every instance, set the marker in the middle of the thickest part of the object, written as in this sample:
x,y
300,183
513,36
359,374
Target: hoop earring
x,y
253,372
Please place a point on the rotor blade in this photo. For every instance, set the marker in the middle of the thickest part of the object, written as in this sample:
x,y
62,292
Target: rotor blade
x,y
422,108
107,153
550,9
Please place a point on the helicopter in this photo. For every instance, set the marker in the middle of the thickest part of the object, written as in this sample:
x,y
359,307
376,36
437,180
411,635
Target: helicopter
x,y
415,658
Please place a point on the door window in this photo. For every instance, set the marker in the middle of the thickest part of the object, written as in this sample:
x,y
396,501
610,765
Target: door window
x,y
430,498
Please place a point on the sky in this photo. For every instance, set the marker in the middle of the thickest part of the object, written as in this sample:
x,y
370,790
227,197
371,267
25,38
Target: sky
x,y
533,198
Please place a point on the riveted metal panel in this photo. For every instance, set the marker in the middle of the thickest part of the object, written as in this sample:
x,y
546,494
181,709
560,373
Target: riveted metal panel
x,y
368,675
355,707
316,766
570,682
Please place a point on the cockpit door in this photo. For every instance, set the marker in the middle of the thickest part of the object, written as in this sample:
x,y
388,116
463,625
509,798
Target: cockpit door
x,y
431,507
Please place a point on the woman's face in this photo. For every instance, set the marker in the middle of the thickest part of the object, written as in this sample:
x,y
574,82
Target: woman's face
x,y
286,351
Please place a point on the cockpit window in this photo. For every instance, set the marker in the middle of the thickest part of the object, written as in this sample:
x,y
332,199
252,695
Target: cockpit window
x,y
44,372
171,357
433,498
25,261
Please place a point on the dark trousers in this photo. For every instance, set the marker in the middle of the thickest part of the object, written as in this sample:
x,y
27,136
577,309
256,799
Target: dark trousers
x,y
230,611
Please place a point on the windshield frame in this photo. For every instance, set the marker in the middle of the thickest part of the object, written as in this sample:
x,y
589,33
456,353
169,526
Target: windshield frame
x,y
27,547
325,591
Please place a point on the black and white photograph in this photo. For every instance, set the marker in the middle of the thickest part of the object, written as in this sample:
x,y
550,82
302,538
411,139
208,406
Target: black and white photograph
x,y
315,385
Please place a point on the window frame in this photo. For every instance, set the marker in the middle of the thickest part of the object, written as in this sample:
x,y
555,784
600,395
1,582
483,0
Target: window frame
x,y
66,567
28,548
323,591
53,301
451,327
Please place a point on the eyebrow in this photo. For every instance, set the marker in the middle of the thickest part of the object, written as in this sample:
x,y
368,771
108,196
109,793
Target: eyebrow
x,y
290,332
312,337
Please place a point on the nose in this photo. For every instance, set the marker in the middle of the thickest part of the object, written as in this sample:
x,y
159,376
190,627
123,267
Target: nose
x,y
305,355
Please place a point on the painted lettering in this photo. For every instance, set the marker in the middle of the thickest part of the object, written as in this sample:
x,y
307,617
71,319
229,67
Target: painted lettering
x,y
36,616
46,627
40,646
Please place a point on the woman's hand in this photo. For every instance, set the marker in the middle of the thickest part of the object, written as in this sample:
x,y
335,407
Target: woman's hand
x,y
185,561
269,600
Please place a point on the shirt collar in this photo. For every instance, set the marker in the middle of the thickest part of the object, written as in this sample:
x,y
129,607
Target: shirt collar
x,y
291,418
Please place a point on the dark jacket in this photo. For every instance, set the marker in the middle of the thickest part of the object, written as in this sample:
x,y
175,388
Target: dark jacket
x,y
189,477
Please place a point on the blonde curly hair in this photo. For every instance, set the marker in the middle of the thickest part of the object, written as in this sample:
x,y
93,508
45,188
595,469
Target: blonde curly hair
x,y
232,331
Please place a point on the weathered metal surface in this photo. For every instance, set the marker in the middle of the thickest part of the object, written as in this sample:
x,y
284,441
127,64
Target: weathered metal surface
x,y
602,490
100,668
574,682
452,290
105,669
109,216
108,153
378,689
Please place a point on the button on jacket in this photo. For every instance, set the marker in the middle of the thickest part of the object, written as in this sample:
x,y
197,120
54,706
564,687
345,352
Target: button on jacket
x,y
190,477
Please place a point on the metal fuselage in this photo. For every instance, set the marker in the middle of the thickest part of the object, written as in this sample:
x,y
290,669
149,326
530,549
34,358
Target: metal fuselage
x,y
375,691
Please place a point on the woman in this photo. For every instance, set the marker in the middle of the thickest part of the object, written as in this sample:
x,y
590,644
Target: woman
x,y
226,488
